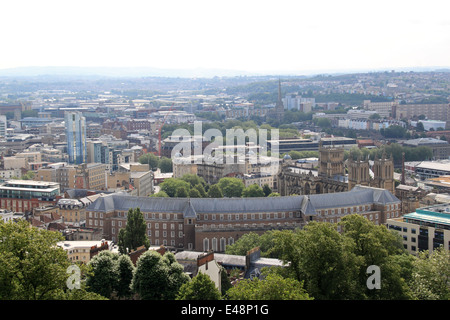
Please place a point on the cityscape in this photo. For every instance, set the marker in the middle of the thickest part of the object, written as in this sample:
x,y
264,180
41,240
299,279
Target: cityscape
x,y
200,182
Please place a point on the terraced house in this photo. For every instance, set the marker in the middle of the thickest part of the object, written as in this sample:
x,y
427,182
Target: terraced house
x,y
203,224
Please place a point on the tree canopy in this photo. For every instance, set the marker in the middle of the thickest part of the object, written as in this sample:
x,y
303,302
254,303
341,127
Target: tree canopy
x,y
134,234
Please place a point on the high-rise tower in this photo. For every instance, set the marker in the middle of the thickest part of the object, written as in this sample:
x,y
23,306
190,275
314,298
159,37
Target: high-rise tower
x,y
76,137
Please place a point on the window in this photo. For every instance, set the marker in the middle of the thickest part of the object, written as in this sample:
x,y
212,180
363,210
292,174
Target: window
x,y
222,244
214,244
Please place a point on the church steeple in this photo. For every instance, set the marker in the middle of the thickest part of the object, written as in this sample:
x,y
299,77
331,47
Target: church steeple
x,y
279,106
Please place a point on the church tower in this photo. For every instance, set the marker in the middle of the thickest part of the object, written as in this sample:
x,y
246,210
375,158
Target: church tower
x,y
331,161
279,107
358,172
383,170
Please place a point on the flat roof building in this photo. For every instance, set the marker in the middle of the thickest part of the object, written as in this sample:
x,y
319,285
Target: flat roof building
x,y
425,229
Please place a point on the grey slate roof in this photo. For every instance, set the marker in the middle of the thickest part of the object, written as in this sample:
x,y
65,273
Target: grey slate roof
x,y
359,195
190,207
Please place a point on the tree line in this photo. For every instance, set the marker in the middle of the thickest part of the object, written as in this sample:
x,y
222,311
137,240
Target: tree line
x,y
193,186
320,263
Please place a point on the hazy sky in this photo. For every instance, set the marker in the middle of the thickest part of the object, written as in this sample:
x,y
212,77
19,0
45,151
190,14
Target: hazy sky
x,y
240,35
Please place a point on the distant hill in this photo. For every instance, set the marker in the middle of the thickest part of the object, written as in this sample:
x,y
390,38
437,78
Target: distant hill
x,y
119,72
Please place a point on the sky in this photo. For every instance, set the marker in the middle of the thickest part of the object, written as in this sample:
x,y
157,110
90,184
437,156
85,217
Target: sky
x,y
248,35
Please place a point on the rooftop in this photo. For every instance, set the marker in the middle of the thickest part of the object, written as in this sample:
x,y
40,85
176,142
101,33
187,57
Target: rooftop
x,y
425,141
191,207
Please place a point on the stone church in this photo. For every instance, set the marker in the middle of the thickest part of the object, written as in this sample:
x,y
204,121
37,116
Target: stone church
x,y
334,174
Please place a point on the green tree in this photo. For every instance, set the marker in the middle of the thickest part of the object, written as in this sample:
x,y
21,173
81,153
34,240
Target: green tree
x,y
321,257
377,245
201,287
419,127
150,278
250,240
134,234
160,194
157,277
165,164
176,276
28,176
104,277
199,187
150,159
231,187
272,287
267,190
193,193
193,179
181,193
170,186
215,192
245,243
225,283
253,191
33,267
125,269
274,194
431,275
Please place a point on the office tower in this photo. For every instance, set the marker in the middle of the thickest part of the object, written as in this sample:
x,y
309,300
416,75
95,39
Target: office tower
x,y
76,137
3,125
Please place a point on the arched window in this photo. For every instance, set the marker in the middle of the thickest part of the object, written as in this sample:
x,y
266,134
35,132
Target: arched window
x,y
206,244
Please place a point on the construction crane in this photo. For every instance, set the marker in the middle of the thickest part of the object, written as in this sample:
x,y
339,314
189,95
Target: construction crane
x,y
159,130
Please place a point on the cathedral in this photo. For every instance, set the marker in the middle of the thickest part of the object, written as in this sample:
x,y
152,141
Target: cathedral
x,y
334,174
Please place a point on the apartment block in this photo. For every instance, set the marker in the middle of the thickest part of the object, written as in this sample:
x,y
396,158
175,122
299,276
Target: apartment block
x,y
25,195
431,111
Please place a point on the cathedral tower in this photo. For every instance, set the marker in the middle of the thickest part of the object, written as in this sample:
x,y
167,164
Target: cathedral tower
x,y
383,170
358,172
331,161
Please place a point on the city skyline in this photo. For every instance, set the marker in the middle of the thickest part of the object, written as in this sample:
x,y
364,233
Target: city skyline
x,y
248,37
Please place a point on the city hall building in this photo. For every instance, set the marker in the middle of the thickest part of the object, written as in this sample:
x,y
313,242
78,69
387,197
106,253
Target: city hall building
x,y
202,224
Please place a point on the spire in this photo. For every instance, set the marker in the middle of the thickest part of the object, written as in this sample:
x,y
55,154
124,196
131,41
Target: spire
x,y
279,106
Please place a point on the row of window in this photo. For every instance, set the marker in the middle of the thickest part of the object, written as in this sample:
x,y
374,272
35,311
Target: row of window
x,y
245,216
156,233
218,245
246,225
